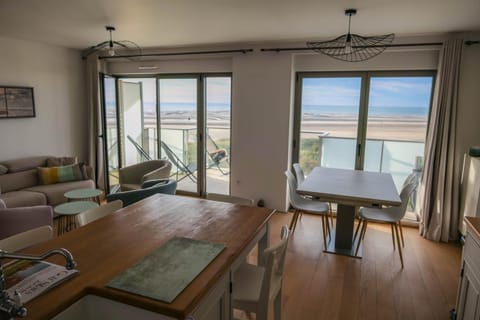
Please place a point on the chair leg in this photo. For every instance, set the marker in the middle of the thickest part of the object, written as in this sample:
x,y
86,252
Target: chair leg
x,y
356,230
292,222
296,220
393,236
331,213
398,244
329,230
324,228
277,305
362,235
401,232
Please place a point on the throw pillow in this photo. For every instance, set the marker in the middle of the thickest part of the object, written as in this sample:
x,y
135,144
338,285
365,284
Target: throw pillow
x,y
61,161
3,169
51,175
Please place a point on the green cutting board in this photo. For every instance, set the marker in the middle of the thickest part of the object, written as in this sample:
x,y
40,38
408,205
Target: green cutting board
x,y
167,271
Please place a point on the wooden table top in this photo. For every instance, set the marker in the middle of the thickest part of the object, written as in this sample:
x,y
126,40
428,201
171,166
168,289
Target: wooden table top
x,y
106,247
351,187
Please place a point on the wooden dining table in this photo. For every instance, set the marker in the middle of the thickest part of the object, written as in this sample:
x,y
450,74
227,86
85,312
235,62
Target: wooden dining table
x,y
350,189
107,247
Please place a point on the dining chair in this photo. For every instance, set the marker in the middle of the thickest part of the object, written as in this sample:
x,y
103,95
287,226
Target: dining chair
x,y
255,287
300,174
230,199
98,212
26,239
301,205
390,215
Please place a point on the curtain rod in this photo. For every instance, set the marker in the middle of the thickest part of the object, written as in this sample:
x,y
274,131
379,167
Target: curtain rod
x,y
244,51
468,43
372,46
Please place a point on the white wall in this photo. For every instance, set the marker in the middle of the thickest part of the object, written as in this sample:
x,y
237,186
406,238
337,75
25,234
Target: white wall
x,y
262,98
57,76
468,112
262,105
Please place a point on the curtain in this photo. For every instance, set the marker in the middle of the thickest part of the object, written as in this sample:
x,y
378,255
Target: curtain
x,y
95,145
440,184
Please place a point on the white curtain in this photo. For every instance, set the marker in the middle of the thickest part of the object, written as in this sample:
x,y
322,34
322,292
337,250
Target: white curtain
x,y
95,147
439,188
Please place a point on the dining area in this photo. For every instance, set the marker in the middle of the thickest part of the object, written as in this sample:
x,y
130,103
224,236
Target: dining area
x,y
359,196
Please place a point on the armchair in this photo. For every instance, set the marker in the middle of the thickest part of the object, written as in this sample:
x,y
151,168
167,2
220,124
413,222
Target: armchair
x,y
17,220
132,177
149,188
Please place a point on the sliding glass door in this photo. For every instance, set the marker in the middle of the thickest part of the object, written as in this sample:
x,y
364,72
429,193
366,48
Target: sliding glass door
x,y
182,118
329,107
179,110
375,121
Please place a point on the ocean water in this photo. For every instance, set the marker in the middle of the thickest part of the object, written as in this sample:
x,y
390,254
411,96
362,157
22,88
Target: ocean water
x,y
376,111
312,109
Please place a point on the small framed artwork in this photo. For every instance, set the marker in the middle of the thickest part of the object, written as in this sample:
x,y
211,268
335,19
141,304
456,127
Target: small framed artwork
x,y
16,102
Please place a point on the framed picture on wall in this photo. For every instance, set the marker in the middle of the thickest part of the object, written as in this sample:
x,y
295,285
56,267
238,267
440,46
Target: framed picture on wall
x,y
16,102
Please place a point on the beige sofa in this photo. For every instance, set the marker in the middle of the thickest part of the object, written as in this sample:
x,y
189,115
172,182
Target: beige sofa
x,y
20,186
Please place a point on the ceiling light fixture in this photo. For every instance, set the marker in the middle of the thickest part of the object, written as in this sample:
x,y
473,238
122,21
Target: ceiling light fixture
x,y
352,47
111,47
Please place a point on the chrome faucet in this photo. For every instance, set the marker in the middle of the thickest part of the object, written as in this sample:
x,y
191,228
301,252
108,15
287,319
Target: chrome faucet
x,y
11,307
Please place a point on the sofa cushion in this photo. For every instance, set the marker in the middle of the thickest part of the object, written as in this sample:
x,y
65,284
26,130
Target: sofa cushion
x,y
54,192
60,161
52,175
18,180
23,164
23,198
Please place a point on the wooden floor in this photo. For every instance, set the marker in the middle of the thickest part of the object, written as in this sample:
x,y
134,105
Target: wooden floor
x,y
326,286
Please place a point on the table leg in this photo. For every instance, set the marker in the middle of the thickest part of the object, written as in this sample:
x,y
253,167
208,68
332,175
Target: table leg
x,y
344,228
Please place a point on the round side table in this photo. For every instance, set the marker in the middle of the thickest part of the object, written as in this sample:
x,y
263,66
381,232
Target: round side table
x,y
79,194
68,212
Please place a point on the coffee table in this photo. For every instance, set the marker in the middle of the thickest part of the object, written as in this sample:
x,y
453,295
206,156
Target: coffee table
x,y
68,214
85,193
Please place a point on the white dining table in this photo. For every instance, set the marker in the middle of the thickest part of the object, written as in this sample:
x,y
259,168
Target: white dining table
x,y
349,189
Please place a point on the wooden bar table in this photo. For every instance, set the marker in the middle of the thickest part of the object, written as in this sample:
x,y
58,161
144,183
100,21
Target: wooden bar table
x,y
106,247
349,189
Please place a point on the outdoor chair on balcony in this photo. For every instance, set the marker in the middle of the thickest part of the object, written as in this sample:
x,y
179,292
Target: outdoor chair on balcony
x,y
182,168
217,155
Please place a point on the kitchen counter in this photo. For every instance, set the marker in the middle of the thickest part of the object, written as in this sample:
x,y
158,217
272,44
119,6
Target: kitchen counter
x,y
106,247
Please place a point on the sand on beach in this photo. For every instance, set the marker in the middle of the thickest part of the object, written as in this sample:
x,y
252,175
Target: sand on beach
x,y
403,128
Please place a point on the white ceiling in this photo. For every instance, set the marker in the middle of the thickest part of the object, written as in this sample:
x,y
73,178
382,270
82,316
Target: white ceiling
x,y
169,23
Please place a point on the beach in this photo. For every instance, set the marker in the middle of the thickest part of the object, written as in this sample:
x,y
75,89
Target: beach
x,y
403,128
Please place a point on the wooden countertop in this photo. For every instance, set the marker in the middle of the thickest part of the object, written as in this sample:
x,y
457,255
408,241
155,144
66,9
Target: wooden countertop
x,y
106,247
473,223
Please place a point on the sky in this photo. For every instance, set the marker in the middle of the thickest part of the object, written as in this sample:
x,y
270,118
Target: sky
x,y
384,91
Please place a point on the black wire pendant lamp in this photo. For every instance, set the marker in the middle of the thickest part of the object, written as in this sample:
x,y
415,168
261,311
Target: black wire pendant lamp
x,y
352,47
112,47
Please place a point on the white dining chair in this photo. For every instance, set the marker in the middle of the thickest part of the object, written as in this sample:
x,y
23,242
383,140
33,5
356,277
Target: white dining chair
x,y
99,212
390,215
301,204
26,239
255,287
300,175
230,199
